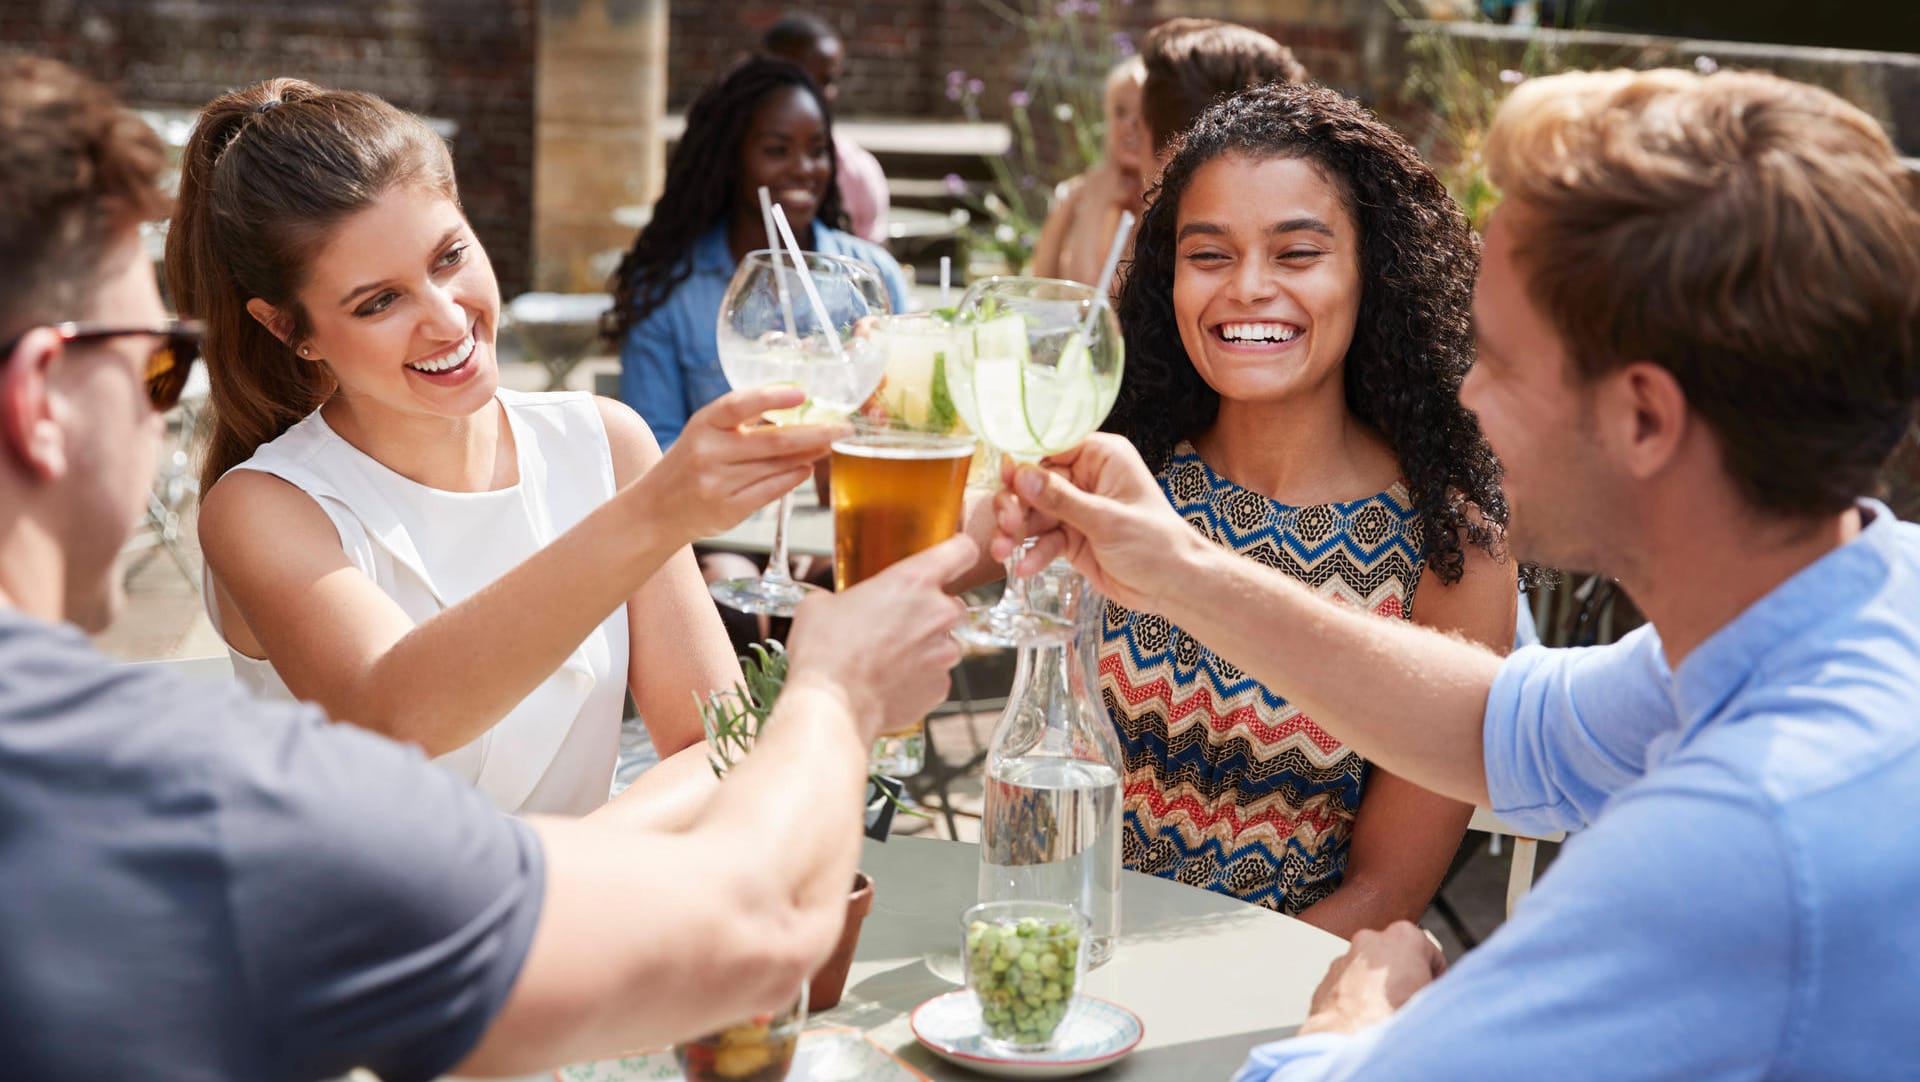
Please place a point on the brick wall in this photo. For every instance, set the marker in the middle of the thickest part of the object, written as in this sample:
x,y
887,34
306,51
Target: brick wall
x,y
900,51
467,61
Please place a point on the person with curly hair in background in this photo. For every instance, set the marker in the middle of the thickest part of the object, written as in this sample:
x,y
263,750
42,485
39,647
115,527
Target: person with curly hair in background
x,y
764,123
1297,330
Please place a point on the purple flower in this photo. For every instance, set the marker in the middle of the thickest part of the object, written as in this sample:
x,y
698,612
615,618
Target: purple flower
x,y
1512,77
956,77
1123,44
953,93
1019,99
1705,65
955,185
975,86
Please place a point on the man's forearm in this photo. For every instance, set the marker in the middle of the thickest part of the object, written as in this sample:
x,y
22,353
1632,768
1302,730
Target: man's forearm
x,y
668,797
1410,699
802,790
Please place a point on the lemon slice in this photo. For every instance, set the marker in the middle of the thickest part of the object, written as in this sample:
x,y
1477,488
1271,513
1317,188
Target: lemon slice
x,y
792,415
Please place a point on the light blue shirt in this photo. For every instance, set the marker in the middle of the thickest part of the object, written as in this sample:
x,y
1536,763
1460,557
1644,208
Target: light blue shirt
x,y
1744,899
670,361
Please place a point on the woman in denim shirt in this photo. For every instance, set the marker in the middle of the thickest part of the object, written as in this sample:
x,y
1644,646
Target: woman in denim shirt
x,y
764,123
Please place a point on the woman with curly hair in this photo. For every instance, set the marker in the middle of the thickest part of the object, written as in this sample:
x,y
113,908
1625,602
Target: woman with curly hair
x,y
1297,328
763,124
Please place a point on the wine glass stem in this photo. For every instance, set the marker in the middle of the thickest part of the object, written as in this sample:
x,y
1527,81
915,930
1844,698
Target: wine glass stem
x,y
1013,599
779,571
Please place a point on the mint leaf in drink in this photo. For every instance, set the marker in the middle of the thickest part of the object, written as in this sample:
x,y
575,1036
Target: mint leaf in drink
x,y
941,414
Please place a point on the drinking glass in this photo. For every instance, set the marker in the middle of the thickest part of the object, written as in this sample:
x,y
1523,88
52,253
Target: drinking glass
x,y
918,347
1024,966
1039,367
769,334
899,481
758,1050
895,492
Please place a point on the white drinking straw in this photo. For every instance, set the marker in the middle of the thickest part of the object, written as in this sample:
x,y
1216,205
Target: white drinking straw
x,y
773,245
946,279
1120,235
806,280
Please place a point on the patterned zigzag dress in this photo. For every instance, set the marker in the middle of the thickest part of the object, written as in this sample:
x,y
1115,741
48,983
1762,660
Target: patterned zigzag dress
x,y
1228,786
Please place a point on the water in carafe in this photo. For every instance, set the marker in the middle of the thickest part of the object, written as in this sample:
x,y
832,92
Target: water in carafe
x,y
1051,824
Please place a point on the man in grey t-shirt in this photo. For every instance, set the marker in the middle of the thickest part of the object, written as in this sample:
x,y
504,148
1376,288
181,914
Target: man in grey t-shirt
x,y
236,886
197,886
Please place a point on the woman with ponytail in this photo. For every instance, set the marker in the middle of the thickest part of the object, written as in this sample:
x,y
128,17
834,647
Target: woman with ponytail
x,y
391,534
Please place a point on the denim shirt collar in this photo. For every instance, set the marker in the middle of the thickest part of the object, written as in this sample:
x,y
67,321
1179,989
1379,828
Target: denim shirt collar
x,y
1737,654
712,256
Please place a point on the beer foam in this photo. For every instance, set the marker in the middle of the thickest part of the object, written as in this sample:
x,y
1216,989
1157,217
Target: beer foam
x,y
948,448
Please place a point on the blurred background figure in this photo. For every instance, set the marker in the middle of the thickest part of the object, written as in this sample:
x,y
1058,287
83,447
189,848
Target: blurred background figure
x,y
1190,63
764,123
1074,242
808,41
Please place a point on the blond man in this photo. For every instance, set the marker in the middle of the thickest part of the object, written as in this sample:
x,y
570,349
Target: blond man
x,y
1699,335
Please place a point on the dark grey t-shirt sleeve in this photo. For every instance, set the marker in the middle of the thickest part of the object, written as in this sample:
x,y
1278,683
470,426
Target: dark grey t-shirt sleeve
x,y
382,908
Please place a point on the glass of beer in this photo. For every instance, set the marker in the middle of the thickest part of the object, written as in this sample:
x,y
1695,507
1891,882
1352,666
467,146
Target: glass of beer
x,y
895,492
899,481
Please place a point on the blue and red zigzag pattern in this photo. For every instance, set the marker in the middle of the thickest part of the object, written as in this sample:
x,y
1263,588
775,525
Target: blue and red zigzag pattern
x,y
1228,787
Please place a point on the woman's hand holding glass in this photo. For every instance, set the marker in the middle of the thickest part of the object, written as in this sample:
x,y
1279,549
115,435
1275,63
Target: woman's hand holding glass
x,y
727,463
781,328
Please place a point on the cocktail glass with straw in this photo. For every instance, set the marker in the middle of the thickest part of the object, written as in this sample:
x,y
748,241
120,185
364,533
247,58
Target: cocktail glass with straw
x,y
766,339
1039,369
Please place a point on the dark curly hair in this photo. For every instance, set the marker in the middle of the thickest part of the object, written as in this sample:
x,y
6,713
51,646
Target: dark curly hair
x,y
703,180
1412,342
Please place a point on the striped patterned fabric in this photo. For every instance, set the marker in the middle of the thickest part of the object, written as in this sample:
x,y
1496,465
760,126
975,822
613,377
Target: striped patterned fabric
x,y
1228,786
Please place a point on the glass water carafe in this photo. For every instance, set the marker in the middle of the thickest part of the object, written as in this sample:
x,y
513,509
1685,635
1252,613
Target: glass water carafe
x,y
1051,826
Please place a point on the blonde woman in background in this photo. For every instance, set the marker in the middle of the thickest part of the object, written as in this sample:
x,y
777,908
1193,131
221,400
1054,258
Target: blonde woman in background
x,y
1074,241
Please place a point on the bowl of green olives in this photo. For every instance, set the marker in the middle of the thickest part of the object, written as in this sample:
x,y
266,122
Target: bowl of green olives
x,y
1025,964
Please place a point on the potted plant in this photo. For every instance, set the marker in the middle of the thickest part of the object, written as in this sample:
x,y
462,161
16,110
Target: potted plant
x,y
733,719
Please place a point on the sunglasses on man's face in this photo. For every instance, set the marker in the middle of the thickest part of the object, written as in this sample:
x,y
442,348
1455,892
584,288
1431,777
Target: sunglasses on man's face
x,y
167,366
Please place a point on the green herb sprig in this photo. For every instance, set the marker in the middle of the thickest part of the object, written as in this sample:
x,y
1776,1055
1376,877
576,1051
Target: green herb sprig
x,y
734,717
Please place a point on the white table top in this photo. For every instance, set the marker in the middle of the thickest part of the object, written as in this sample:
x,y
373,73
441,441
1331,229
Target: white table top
x,y
1209,976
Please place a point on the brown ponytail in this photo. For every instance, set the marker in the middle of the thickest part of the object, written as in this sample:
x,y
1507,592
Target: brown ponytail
x,y
268,173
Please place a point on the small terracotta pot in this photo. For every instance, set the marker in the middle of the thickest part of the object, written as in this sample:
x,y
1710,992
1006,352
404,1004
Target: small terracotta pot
x,y
831,979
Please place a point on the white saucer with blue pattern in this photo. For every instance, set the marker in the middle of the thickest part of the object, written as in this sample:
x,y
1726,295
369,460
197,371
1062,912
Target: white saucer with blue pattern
x,y
1096,1033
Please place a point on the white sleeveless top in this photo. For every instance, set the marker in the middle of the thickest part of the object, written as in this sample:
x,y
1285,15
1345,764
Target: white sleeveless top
x,y
430,549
